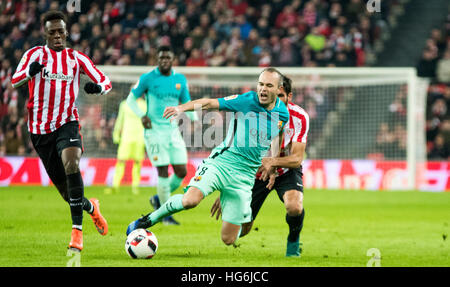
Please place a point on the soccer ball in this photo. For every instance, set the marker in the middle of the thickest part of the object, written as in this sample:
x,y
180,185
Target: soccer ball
x,y
141,243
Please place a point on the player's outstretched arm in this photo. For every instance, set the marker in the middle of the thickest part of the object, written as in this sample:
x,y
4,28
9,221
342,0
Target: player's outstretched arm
x,y
203,104
294,160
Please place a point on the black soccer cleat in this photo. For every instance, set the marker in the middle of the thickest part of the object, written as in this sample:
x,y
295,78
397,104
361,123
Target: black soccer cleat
x,y
143,222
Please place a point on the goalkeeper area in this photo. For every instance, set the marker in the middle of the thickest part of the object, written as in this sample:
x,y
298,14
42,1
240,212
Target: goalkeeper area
x,y
343,228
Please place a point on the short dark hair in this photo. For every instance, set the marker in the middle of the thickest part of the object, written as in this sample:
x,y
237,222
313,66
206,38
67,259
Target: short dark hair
x,y
53,15
287,85
274,70
164,48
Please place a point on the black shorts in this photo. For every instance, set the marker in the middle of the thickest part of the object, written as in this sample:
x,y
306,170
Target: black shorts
x,y
49,147
291,180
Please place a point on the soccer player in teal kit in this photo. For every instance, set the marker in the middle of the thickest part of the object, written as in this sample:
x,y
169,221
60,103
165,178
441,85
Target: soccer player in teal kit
x,y
259,117
163,87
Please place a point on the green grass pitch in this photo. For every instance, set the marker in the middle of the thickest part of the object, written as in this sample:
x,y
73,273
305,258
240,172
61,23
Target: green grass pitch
x,y
408,229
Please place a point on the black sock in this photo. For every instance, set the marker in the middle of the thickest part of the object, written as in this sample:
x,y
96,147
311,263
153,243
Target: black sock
x,y
87,206
75,187
295,226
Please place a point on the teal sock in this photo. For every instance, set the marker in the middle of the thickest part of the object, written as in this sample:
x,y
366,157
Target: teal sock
x,y
175,182
163,189
173,205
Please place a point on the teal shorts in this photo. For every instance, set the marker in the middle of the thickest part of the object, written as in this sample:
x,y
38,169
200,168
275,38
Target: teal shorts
x,y
235,189
165,147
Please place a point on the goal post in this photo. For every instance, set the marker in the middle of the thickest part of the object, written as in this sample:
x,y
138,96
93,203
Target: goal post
x,y
363,121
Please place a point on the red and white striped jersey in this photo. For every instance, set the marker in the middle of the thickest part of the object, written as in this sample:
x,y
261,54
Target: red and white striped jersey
x,y
296,130
53,91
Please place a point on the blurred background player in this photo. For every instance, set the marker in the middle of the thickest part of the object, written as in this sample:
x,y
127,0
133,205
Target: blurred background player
x,y
287,180
128,133
258,119
163,87
52,72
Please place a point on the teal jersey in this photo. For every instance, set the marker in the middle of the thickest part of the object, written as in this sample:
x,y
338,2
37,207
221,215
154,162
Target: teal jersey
x,y
160,92
251,130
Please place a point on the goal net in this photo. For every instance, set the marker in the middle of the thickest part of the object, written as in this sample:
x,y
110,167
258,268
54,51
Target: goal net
x,y
366,124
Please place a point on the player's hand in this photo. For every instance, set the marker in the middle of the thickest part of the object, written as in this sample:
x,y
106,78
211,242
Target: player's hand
x,y
92,88
171,112
146,122
216,209
267,167
271,183
35,68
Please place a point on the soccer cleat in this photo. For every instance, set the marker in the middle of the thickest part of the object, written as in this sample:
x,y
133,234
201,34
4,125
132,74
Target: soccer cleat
x,y
76,239
293,249
169,220
154,201
97,218
143,222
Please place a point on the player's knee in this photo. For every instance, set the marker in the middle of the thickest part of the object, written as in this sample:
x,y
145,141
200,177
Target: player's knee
x,y
293,201
228,239
180,171
71,166
191,201
294,208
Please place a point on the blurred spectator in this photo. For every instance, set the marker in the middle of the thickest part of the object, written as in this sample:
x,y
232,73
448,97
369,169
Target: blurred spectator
x,y
196,59
315,40
385,141
443,68
427,65
440,149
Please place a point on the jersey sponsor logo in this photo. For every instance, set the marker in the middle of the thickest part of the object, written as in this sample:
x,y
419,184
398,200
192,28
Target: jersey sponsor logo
x,y
60,76
198,178
177,86
232,97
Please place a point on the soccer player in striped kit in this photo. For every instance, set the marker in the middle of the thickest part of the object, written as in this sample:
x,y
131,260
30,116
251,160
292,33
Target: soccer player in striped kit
x,y
53,75
287,177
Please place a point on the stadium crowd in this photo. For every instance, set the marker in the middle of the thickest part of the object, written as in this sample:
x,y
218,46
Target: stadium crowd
x,y
298,33
435,65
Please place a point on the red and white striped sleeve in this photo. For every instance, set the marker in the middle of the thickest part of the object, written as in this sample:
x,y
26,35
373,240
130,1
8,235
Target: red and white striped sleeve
x,y
300,120
94,73
21,76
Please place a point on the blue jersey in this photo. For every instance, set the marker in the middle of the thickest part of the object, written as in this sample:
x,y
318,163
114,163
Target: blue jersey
x,y
160,92
251,131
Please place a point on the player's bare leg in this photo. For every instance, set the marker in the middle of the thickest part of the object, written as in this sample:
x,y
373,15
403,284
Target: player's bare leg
x,y
293,201
179,173
230,232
